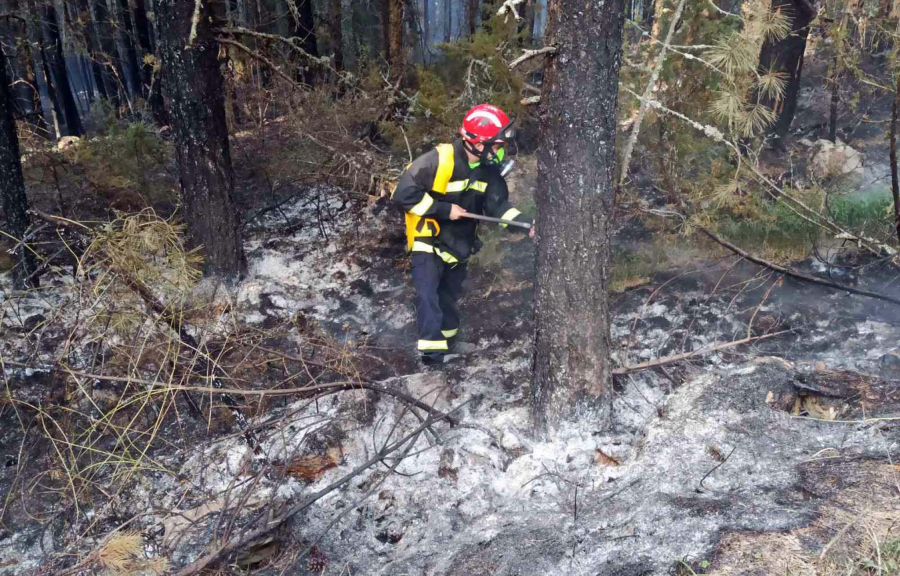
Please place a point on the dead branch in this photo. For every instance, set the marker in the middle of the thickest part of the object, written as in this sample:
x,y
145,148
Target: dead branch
x,y
236,543
680,357
529,54
261,58
794,273
530,101
510,5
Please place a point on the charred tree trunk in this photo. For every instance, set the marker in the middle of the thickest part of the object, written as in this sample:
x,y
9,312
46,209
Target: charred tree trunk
x,y
193,82
386,28
835,98
305,30
337,33
152,82
51,94
426,30
786,55
113,76
12,183
397,60
34,115
90,44
575,198
131,55
448,15
57,62
472,16
895,180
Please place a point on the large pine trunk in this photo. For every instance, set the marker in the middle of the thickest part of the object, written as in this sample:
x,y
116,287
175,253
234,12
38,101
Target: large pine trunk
x,y
397,60
57,61
12,183
575,197
786,55
195,88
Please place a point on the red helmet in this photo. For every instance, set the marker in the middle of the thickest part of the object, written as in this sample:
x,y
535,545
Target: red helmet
x,y
486,122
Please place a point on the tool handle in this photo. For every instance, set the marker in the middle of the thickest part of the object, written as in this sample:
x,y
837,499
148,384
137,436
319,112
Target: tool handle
x,y
496,220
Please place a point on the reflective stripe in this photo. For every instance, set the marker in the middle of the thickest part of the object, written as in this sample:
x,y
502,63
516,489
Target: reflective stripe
x,y
456,186
432,345
450,333
424,204
509,215
444,169
478,186
446,256
419,246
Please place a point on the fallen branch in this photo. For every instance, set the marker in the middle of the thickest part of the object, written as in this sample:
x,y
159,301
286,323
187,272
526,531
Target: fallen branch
x,y
795,274
529,54
234,544
631,368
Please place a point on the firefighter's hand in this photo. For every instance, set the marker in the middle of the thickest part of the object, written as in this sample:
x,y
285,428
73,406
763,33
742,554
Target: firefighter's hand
x,y
531,232
456,212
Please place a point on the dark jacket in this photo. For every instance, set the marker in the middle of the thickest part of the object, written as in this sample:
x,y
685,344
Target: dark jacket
x,y
480,190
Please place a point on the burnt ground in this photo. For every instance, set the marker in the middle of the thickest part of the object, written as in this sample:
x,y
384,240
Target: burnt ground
x,y
767,446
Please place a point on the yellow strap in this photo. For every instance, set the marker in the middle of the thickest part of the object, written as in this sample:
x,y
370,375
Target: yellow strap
x,y
509,215
478,186
432,345
419,246
446,256
450,333
457,186
445,168
424,204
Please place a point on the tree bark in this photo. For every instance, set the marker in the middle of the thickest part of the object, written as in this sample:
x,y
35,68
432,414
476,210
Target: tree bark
x,y
151,82
27,69
426,30
57,62
397,60
895,181
575,198
386,28
337,33
835,98
194,84
12,182
786,55
113,76
448,14
472,16
51,94
90,45
131,54
305,30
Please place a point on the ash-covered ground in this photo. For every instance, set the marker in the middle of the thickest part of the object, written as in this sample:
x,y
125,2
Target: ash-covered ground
x,y
750,440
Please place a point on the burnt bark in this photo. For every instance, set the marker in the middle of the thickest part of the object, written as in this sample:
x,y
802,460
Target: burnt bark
x,y
786,55
128,42
57,61
51,94
305,29
113,76
426,29
385,6
397,59
472,16
34,114
12,182
151,82
90,45
195,88
575,197
895,180
448,19
834,78
337,33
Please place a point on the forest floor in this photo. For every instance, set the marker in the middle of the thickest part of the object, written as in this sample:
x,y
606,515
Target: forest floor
x,y
773,457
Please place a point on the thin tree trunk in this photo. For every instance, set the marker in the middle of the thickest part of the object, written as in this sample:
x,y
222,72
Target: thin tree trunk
x,y
35,113
51,94
194,84
305,30
448,14
895,181
386,28
12,183
397,60
90,44
148,79
426,30
835,98
575,199
786,55
57,63
131,54
472,16
348,34
113,76
337,33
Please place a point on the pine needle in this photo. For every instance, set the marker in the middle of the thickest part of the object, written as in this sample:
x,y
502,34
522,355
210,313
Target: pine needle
x,y
121,551
771,85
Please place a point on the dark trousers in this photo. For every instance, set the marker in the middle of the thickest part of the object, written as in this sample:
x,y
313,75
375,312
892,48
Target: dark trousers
x,y
438,287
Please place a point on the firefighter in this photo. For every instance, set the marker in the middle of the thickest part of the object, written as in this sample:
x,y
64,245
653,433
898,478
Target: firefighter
x,y
437,191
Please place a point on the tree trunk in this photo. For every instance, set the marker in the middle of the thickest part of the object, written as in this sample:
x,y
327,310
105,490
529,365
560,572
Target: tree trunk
x,y
397,60
113,76
835,98
786,55
649,11
526,26
12,183
448,14
90,45
51,95
151,81
193,82
386,28
35,113
472,16
57,63
337,33
426,30
305,30
131,55
895,181
348,34
575,197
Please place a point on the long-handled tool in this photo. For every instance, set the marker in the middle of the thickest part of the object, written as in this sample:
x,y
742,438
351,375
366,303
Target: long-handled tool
x,y
496,220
